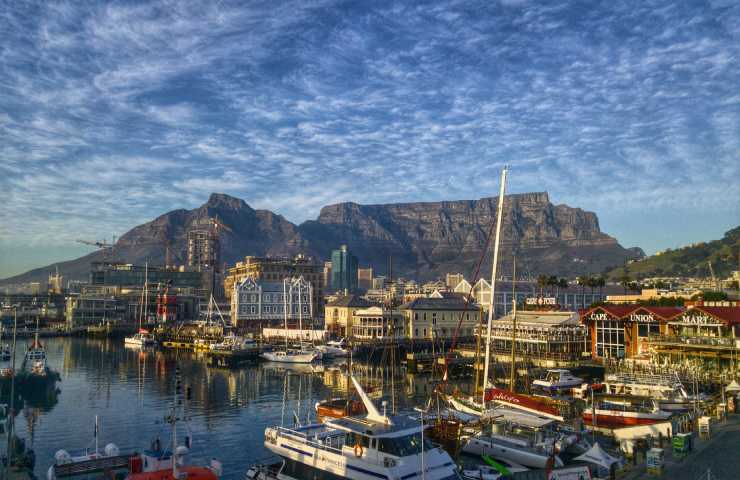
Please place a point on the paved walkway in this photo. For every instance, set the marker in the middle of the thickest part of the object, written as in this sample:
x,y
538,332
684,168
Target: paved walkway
x,y
721,454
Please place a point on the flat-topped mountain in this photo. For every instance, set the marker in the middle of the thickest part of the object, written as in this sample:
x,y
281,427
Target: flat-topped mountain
x,y
424,239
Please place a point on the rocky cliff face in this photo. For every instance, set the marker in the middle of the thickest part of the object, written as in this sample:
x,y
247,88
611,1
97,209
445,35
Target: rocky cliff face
x,y
425,240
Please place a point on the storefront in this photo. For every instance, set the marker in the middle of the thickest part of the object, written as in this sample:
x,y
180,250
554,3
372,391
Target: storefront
x,y
623,331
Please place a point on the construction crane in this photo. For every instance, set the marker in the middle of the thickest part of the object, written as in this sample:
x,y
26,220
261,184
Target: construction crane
x,y
102,245
714,279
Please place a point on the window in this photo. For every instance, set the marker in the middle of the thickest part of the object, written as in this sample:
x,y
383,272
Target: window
x,y
434,318
403,446
609,339
644,330
253,309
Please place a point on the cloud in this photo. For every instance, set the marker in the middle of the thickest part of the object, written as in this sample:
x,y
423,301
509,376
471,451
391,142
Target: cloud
x,y
114,113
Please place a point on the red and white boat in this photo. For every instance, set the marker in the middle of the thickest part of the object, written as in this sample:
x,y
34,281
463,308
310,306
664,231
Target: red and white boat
x,y
535,405
614,411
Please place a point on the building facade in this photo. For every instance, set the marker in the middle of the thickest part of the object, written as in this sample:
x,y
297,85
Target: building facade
x,y
365,278
129,275
256,304
270,269
435,318
377,323
343,270
204,249
338,313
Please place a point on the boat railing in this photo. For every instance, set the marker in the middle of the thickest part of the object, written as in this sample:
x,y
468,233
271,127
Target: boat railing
x,y
303,437
643,378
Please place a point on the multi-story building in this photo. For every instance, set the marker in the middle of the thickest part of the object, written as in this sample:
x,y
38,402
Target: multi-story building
x,y
327,274
343,270
256,304
377,323
85,310
128,275
452,280
378,283
204,248
365,278
338,313
433,318
272,269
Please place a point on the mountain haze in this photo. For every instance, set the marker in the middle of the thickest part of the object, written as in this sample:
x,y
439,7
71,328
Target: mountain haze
x,y
424,239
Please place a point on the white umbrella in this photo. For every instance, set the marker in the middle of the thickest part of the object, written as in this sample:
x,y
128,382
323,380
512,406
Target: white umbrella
x,y
597,455
733,387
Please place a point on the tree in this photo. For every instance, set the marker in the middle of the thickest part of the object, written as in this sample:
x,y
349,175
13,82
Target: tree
x,y
625,281
552,281
541,282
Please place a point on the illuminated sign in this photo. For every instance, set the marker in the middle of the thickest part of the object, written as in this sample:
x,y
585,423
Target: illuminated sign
x,y
642,317
542,301
599,316
698,319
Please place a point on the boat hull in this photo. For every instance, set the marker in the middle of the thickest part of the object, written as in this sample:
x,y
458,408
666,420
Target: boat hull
x,y
616,418
509,452
280,357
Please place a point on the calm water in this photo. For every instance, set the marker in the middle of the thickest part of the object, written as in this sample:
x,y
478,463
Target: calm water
x,y
131,392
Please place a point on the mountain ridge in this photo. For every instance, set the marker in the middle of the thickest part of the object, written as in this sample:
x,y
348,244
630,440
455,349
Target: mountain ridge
x,y
425,239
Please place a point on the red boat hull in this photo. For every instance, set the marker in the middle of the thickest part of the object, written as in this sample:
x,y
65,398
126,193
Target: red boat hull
x,y
524,402
613,420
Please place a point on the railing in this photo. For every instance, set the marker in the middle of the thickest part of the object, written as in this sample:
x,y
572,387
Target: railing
x,y
717,342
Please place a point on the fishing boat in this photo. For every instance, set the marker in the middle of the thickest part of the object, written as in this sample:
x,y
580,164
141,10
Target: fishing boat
x,y
142,338
88,462
622,410
34,362
359,447
558,379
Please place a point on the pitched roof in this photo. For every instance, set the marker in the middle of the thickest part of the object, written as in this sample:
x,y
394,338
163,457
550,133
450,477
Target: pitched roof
x,y
617,311
445,303
728,315
350,301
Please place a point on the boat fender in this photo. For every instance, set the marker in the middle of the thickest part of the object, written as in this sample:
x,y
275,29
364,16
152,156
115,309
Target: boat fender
x,y
358,450
112,450
216,467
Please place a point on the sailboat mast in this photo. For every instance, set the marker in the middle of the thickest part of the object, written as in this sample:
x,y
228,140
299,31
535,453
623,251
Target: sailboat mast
x,y
146,293
286,304
491,305
513,329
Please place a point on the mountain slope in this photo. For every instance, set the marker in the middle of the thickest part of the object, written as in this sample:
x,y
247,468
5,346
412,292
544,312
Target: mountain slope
x,y
425,240
689,261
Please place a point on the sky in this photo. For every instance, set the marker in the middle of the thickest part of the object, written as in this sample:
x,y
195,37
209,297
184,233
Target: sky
x,y
114,113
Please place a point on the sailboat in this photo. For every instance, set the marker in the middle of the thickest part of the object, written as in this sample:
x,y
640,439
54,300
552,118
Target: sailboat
x,y
142,338
292,355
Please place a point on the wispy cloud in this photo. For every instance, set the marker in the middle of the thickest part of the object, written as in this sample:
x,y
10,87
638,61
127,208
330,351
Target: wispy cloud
x,y
113,113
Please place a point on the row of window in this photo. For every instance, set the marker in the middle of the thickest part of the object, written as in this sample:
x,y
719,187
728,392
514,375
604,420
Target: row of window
x,y
610,339
269,309
267,297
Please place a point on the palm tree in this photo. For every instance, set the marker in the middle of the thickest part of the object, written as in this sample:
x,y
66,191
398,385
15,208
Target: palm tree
x,y
625,281
541,282
601,283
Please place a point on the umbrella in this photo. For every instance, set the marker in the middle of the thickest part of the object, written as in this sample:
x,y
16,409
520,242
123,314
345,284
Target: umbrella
x,y
597,455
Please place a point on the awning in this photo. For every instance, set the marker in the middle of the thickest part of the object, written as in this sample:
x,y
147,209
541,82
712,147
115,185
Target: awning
x,y
598,456
733,387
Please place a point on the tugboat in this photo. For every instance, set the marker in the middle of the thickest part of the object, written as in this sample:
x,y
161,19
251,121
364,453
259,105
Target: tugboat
x,y
34,363
357,448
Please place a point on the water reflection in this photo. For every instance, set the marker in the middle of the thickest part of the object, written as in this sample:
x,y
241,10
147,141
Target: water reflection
x,y
130,390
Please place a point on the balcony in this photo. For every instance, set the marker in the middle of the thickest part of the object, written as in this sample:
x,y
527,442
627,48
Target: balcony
x,y
712,343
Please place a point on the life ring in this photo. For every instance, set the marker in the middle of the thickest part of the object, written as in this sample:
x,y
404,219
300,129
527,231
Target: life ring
x,y
358,450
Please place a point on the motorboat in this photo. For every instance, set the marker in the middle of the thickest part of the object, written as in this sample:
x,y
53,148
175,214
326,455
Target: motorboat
x,y
493,470
667,389
234,343
374,445
86,463
35,360
525,452
622,410
334,348
142,338
338,408
558,379
291,356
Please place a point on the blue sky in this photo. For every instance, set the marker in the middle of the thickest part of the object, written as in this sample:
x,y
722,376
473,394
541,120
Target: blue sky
x,y
113,113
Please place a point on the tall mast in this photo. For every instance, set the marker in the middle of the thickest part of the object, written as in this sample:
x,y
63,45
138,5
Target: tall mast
x,y
513,329
146,293
491,305
286,304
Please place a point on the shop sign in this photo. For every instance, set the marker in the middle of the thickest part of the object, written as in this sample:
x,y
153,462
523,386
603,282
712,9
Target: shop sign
x,y
598,317
642,317
541,301
698,319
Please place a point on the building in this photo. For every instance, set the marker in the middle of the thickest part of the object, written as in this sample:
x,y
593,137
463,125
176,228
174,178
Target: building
x,y
343,270
204,248
623,331
546,338
452,280
338,313
378,283
256,304
365,278
377,323
129,275
701,339
327,274
277,269
439,317
647,294
85,310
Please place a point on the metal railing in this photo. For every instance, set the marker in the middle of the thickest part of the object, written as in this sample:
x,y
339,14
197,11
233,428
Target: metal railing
x,y
716,342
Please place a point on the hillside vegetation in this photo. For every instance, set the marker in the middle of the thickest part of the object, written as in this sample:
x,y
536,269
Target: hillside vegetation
x,y
688,261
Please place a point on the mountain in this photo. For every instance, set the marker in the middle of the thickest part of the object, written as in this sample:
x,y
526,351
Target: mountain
x,y
688,261
425,240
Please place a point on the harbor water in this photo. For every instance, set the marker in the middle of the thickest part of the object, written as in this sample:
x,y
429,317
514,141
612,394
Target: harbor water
x,y
131,391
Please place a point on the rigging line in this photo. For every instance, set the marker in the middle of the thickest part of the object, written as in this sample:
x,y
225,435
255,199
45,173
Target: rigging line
x,y
475,279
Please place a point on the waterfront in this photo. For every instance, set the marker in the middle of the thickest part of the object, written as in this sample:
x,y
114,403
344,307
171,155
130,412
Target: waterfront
x,y
131,392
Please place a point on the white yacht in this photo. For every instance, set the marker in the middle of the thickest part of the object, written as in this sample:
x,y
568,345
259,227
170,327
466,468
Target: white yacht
x,y
234,343
142,338
334,348
291,356
360,448
558,379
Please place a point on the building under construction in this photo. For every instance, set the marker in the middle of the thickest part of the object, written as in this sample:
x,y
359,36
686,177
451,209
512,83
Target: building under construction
x,y
204,249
